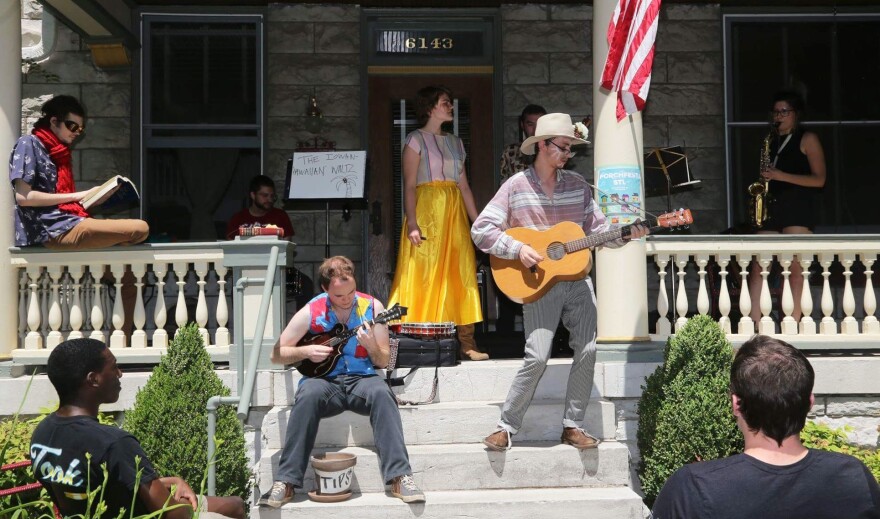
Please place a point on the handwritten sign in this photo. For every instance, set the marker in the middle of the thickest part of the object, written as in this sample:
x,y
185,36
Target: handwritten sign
x,y
327,174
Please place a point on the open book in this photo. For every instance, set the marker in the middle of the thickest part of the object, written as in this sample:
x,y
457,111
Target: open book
x,y
118,190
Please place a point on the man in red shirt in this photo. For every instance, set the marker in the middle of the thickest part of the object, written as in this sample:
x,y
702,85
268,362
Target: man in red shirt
x,y
262,209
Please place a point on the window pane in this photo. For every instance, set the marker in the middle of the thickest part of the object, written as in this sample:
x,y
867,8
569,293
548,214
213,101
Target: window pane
x,y
745,154
757,53
859,55
858,180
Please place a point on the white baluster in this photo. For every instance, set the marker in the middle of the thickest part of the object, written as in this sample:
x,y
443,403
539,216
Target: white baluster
x,y
664,326
221,336
766,326
827,326
33,340
807,325
76,314
849,326
64,296
724,294
45,301
201,268
180,313
870,325
139,317
160,315
117,338
789,325
702,293
681,301
97,314
54,337
22,306
746,325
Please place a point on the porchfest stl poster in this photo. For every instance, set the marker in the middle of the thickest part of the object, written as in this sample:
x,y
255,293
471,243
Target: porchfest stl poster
x,y
619,194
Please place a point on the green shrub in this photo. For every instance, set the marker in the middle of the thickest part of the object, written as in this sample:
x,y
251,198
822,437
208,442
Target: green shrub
x,y
170,420
684,412
817,435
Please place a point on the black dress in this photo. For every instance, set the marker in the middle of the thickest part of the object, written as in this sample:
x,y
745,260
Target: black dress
x,y
791,204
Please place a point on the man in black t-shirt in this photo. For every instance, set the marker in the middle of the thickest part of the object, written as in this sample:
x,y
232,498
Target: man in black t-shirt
x,y
771,386
69,447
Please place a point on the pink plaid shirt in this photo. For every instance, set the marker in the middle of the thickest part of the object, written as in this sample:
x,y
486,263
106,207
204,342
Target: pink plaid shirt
x,y
521,202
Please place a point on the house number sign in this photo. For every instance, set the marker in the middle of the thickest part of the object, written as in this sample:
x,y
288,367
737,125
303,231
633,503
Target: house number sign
x,y
433,43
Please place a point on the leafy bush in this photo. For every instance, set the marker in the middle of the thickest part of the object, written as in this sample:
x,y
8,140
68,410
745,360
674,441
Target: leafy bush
x,y
817,435
169,418
684,412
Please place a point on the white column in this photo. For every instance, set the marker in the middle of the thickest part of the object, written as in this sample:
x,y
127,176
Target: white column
x,y
10,129
160,313
22,306
139,317
681,299
117,338
664,326
849,326
702,293
54,337
807,326
746,325
221,336
789,326
724,294
201,268
33,340
97,313
77,275
621,274
766,326
870,325
827,326
180,314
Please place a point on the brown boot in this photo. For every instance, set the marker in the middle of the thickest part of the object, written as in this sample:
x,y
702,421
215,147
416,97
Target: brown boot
x,y
468,344
498,440
578,438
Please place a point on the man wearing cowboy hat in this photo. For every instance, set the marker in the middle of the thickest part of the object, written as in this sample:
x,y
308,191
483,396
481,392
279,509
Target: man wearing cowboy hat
x,y
540,197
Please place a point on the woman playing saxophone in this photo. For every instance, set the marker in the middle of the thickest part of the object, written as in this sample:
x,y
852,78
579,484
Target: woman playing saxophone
x,y
796,174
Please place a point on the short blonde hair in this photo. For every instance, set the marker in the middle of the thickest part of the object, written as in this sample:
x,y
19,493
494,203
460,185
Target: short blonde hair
x,y
335,267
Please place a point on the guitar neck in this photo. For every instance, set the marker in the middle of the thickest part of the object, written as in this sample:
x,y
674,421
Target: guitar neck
x,y
595,240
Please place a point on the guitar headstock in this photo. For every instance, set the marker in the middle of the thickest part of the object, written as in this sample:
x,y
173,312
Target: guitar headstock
x,y
680,218
391,314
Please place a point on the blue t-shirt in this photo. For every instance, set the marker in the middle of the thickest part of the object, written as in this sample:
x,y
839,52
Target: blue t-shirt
x,y
31,163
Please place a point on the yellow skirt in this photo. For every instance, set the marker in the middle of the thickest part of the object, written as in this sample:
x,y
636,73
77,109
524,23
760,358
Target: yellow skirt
x,y
437,281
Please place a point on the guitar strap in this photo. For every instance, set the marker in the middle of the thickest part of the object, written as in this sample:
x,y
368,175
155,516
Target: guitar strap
x,y
399,381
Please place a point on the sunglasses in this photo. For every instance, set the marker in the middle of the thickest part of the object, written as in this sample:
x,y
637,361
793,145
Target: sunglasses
x,y
74,127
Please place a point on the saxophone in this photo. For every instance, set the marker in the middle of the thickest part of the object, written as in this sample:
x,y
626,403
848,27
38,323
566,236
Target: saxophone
x,y
759,191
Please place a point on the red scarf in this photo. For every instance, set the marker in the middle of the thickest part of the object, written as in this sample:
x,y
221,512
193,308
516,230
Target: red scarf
x,y
60,155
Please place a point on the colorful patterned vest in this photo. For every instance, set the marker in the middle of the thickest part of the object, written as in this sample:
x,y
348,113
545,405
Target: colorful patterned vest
x,y
354,360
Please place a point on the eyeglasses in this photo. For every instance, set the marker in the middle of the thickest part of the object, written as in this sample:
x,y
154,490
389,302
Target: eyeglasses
x,y
565,151
74,127
784,112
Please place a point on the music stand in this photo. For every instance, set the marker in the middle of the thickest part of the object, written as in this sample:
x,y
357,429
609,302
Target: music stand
x,y
675,175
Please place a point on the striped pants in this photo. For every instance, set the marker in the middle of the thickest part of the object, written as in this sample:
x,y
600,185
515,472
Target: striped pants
x,y
575,303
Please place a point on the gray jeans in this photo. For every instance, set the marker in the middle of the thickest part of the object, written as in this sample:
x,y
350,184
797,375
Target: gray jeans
x,y
318,398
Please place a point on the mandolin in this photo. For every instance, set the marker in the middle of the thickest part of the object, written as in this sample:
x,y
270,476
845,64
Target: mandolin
x,y
566,252
336,339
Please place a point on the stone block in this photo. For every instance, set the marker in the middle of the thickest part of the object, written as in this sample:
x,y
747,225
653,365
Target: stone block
x,y
100,164
307,69
31,10
695,67
679,100
525,12
337,38
276,160
706,163
689,36
626,409
571,67
659,68
77,67
304,225
286,132
106,100
314,13
293,100
571,12
864,430
692,11
655,132
525,68
66,39
291,37
572,99
106,132
511,130
852,406
545,37
697,131
31,32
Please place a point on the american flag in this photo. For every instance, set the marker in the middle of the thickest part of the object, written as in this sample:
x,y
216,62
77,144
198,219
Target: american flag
x,y
631,35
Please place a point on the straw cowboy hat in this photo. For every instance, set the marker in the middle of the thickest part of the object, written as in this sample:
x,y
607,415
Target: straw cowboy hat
x,y
555,125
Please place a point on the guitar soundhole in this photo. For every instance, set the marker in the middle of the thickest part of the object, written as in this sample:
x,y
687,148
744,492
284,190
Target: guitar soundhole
x,y
556,251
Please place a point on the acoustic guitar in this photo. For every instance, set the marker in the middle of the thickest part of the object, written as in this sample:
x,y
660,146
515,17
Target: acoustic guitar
x,y
566,252
336,339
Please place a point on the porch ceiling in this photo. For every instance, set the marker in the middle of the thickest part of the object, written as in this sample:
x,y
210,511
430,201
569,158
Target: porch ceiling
x,y
496,3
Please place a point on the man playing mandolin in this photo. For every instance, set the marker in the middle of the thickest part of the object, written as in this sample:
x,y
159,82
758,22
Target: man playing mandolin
x,y
351,383
538,198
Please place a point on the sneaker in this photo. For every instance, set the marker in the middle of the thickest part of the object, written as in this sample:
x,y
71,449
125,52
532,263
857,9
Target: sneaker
x,y
578,438
498,441
279,494
405,488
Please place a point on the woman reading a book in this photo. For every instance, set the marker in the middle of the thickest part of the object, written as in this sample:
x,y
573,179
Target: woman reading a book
x,y
48,208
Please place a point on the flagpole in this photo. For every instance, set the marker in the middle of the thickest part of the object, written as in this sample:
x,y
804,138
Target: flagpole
x,y
621,274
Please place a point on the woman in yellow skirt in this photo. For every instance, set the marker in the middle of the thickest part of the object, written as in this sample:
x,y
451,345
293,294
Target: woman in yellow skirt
x,y
436,276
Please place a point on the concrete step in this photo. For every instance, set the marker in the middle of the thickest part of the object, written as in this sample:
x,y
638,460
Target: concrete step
x,y
465,466
595,503
447,422
469,381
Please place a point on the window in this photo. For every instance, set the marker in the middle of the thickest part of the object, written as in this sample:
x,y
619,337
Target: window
x,y
834,62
